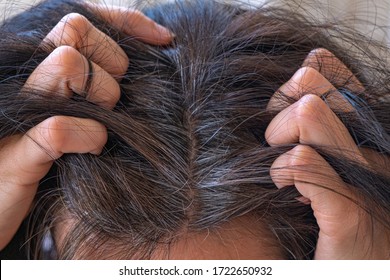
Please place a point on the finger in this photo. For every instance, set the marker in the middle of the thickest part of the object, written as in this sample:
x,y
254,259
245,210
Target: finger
x,y
66,71
29,157
76,31
307,170
133,22
333,69
307,80
25,160
332,202
378,161
310,121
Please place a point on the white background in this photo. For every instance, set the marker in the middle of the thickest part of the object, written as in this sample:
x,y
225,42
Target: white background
x,y
109,270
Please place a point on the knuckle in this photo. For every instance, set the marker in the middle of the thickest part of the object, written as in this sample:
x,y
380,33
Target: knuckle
x,y
66,61
301,155
310,106
308,73
73,28
53,131
302,79
75,20
320,53
66,55
293,164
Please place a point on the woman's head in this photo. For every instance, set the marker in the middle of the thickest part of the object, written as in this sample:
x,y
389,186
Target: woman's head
x,y
186,166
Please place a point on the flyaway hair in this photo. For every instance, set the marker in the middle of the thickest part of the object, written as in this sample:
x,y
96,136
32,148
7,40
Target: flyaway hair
x,y
186,149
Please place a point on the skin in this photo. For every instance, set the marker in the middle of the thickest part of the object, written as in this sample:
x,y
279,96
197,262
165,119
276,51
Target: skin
x,y
242,238
25,159
345,230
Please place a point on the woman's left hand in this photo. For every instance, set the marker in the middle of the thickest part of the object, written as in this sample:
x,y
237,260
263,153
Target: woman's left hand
x,y
346,230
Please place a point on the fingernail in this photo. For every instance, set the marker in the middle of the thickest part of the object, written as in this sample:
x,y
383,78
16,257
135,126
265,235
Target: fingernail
x,y
96,152
164,31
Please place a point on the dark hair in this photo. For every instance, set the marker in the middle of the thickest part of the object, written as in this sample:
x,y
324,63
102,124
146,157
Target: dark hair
x,y
186,148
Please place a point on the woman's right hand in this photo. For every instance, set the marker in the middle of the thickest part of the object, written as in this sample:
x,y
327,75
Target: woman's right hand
x,y
81,50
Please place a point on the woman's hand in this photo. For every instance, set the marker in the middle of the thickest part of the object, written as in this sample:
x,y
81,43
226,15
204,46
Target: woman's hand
x,y
346,230
85,62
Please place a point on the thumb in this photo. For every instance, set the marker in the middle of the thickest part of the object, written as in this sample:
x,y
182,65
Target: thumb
x,y
133,22
342,223
25,160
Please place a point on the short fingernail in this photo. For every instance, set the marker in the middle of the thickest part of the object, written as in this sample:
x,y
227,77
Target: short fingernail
x,y
164,31
96,152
